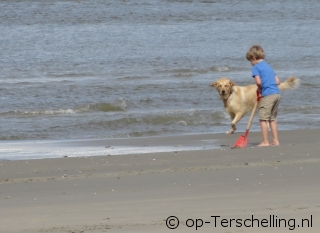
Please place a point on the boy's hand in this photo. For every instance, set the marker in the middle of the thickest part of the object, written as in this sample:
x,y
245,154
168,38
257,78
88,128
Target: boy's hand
x,y
258,94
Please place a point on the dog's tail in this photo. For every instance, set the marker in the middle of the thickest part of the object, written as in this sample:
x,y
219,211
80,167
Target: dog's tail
x,y
290,83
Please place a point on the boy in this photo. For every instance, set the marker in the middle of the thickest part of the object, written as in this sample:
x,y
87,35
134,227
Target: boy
x,y
267,82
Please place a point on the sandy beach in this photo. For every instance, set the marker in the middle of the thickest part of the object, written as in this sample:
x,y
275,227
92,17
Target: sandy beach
x,y
257,188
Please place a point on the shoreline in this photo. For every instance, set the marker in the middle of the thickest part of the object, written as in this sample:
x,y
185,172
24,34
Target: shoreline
x,y
43,149
137,193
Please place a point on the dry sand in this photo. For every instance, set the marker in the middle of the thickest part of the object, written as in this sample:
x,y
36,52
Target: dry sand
x,y
137,193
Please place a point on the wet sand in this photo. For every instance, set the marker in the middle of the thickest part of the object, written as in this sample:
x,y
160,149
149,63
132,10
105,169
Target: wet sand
x,y
138,192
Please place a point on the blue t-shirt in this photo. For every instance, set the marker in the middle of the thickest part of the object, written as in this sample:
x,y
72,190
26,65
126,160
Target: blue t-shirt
x,y
267,76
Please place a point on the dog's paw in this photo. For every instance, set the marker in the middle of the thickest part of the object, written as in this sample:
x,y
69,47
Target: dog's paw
x,y
231,131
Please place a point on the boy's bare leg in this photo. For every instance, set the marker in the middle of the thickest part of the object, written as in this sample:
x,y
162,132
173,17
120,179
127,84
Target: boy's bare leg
x,y
264,131
274,129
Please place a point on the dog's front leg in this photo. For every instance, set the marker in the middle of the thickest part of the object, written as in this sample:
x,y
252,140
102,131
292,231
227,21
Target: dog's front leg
x,y
234,121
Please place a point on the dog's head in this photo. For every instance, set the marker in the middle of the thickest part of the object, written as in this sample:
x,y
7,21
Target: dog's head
x,y
224,87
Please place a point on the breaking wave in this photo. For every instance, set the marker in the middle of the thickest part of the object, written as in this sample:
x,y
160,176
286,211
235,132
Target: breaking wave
x,y
116,106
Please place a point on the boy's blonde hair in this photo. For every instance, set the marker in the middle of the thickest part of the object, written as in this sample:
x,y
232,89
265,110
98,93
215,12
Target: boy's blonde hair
x,y
256,52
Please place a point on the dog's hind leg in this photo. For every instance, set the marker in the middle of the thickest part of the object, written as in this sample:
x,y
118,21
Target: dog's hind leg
x,y
234,121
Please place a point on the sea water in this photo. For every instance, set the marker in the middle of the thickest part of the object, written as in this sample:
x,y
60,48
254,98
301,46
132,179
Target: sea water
x,y
95,69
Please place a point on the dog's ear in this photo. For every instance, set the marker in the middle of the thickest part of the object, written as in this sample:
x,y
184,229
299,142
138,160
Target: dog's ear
x,y
213,84
232,83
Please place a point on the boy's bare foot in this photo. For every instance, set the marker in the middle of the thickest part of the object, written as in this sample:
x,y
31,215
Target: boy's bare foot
x,y
275,144
263,144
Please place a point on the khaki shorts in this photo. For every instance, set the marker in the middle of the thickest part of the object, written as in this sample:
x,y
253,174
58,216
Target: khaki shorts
x,y
268,107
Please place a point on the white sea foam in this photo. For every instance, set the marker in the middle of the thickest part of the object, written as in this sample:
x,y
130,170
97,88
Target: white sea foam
x,y
22,150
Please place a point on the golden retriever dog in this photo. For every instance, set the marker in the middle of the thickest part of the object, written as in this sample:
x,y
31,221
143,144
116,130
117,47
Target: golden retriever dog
x,y
238,100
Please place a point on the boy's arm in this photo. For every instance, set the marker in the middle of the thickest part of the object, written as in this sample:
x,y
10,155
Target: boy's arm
x,y
258,82
277,80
